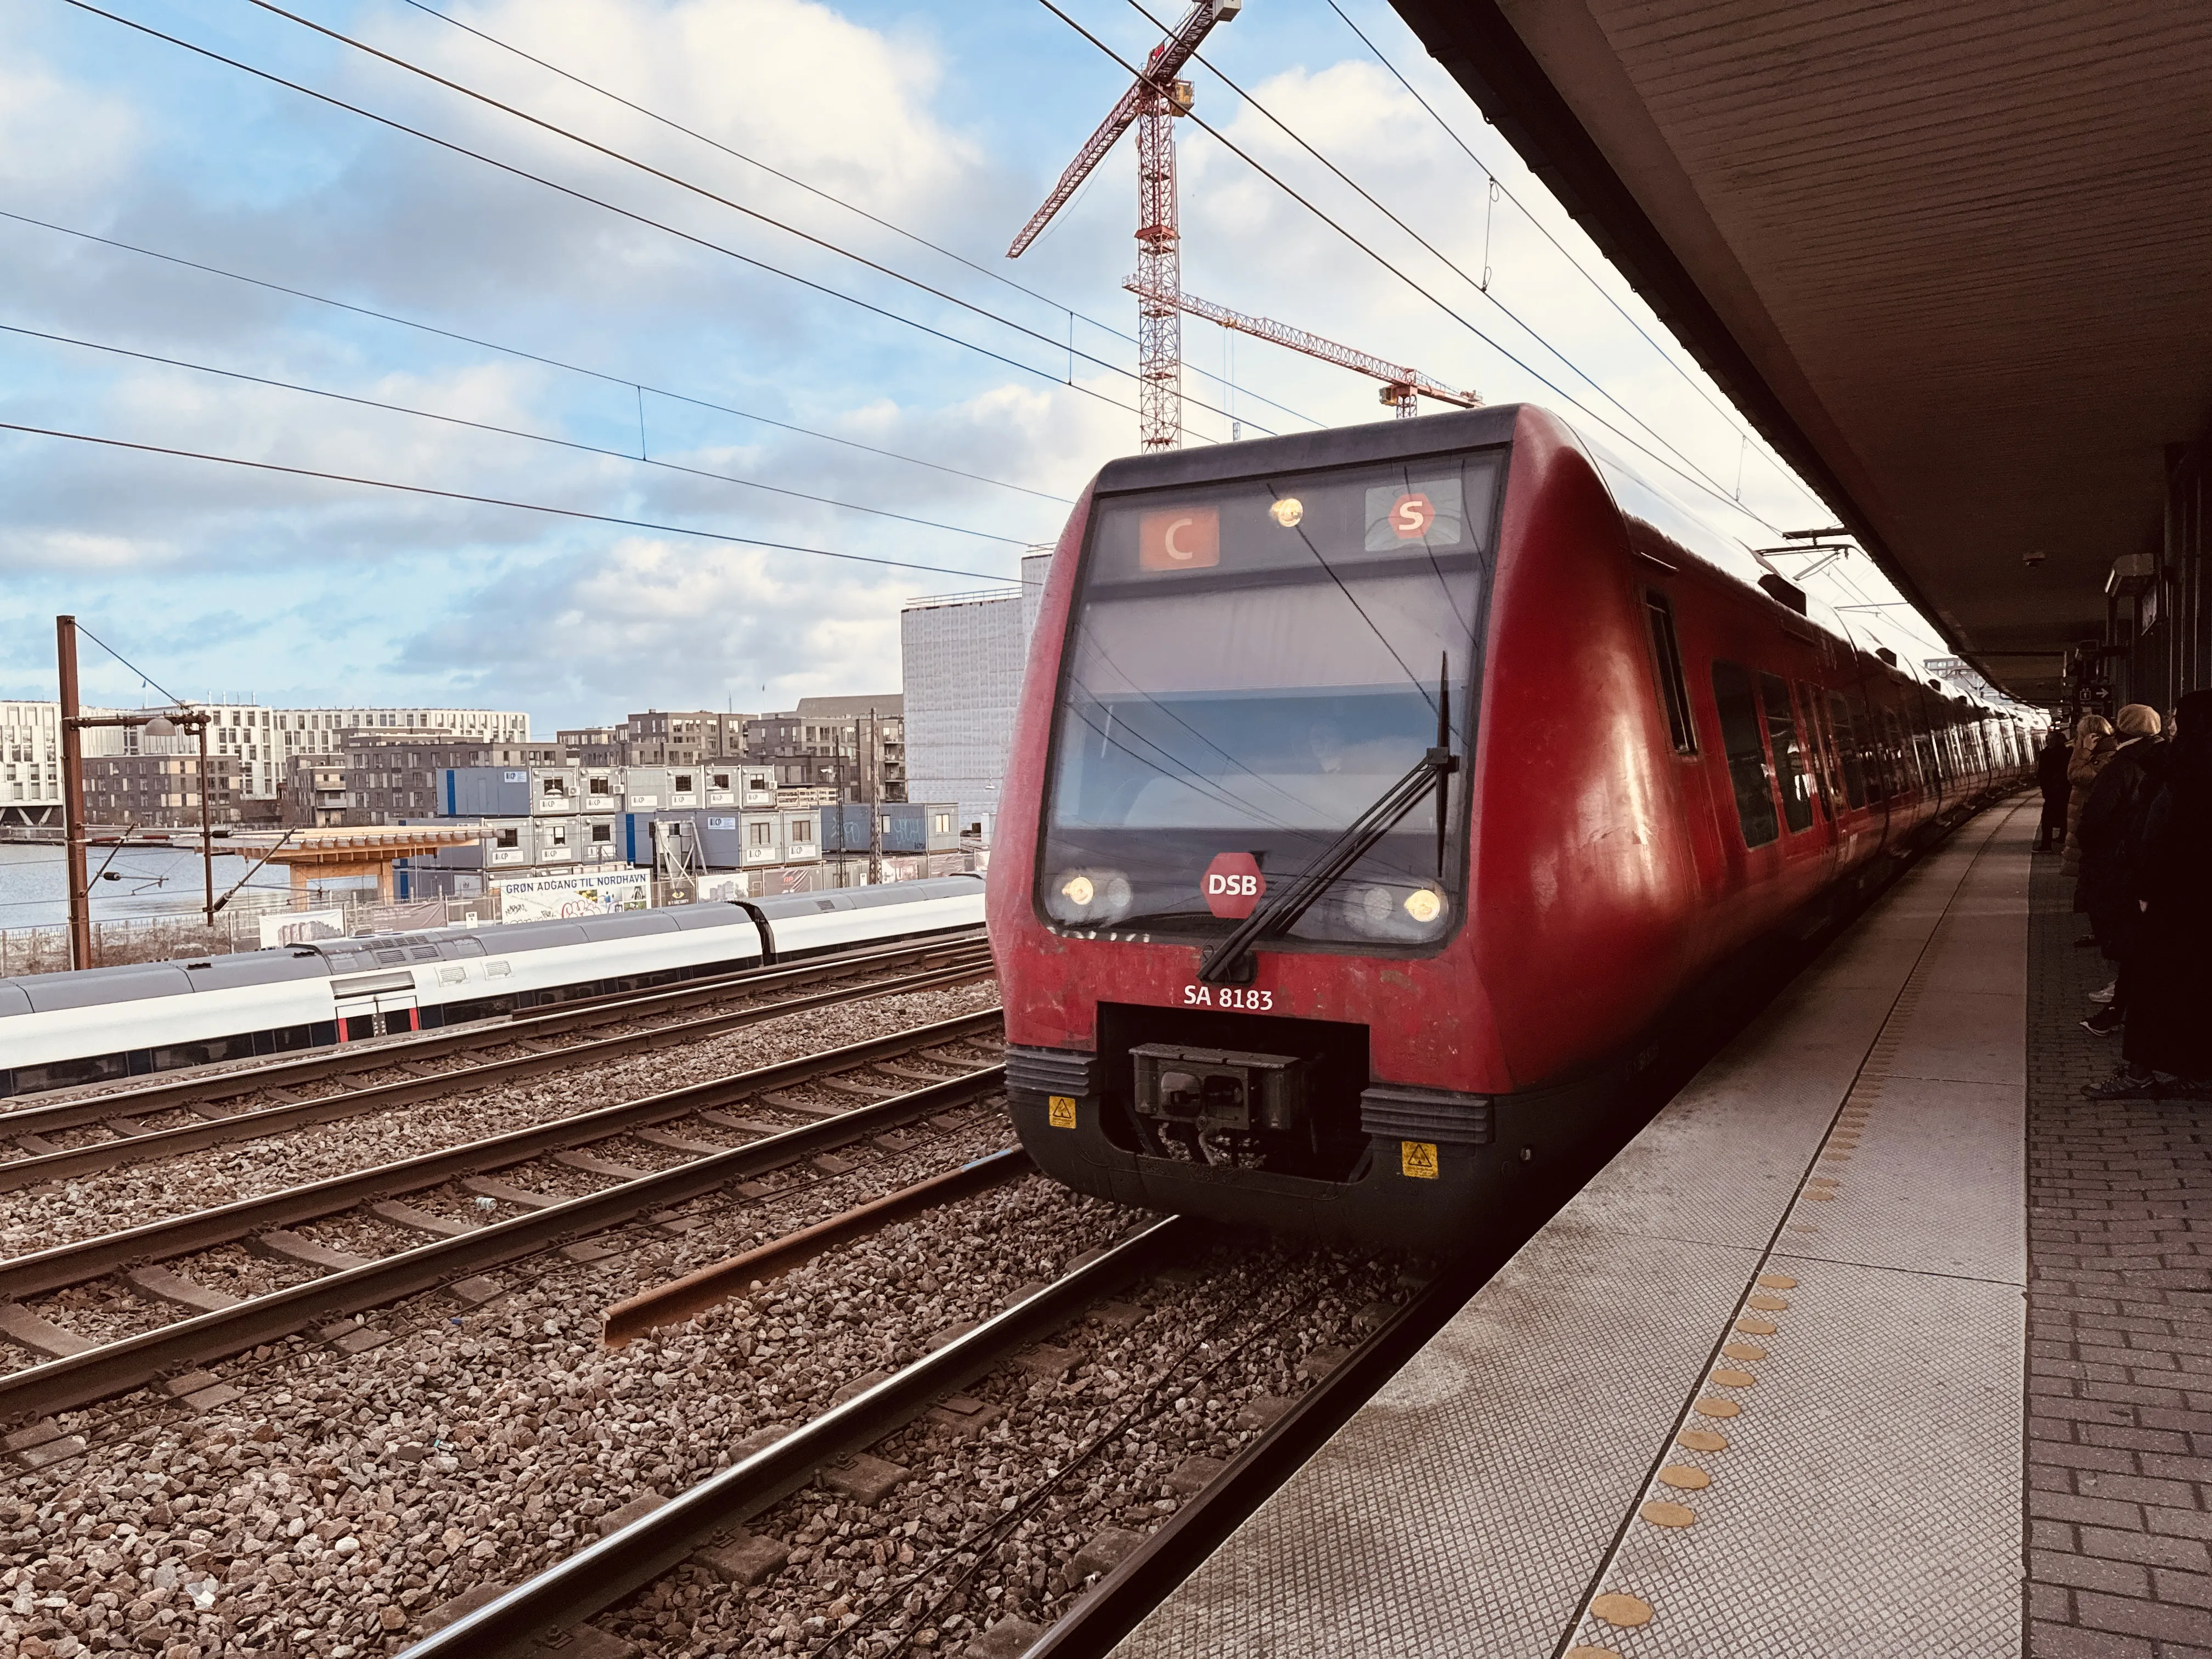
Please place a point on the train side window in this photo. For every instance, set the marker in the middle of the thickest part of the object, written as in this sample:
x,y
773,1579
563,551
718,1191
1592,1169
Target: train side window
x,y
1667,653
1847,748
1822,742
1747,756
1789,752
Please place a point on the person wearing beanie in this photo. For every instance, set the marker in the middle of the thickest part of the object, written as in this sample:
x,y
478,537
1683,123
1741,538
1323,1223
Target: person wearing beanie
x,y
2111,828
2094,746
2168,1049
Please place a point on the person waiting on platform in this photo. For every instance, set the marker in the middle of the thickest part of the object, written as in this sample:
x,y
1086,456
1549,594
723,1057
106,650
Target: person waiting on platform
x,y
2051,776
2094,746
2168,1049
2112,827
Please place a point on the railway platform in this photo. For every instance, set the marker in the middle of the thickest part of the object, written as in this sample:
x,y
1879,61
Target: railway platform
x,y
1878,1340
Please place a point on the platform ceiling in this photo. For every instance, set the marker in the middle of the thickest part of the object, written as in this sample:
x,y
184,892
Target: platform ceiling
x,y
1953,257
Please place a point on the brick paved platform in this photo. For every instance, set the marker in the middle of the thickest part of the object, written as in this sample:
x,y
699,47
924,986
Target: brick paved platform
x,y
2119,1367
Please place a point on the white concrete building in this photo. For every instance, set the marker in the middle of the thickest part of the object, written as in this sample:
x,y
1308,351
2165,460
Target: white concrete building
x,y
263,741
961,658
30,763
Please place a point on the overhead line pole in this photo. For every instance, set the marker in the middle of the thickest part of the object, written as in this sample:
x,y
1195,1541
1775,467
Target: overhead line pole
x,y
80,885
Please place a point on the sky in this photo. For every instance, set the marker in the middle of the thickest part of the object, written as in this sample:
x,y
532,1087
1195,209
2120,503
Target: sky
x,y
673,394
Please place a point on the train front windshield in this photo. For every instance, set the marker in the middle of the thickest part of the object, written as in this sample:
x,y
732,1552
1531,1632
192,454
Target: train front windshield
x,y
1250,667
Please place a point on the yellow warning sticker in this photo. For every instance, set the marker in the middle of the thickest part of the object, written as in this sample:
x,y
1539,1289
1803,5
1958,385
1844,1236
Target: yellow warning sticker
x,y
1418,1158
1060,1110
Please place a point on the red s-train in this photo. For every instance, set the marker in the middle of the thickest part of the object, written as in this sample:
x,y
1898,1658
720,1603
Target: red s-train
x,y
1379,796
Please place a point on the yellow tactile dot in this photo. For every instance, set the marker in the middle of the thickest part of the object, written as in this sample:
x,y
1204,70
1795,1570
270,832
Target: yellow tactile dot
x,y
1756,1326
1628,1611
1732,1379
1682,1478
1777,1281
1662,1514
1743,1350
1712,1406
1702,1440
1592,1653
1767,1304
1821,1196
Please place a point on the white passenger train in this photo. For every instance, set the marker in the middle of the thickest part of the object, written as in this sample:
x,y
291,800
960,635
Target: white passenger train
x,y
60,1030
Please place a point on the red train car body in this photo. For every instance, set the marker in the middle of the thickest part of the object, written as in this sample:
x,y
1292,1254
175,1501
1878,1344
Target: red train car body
x,y
1647,766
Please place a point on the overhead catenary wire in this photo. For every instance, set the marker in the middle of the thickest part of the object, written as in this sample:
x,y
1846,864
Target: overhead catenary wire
x,y
524,354
1445,259
816,191
725,537
1565,252
638,217
505,432
1379,258
145,677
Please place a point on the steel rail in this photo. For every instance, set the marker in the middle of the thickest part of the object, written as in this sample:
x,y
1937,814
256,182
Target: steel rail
x,y
595,1578
553,1020
133,1362
1143,1578
687,1298
156,1241
262,1122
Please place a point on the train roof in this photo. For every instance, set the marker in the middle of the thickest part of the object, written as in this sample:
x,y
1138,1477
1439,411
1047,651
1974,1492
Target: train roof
x,y
320,959
867,898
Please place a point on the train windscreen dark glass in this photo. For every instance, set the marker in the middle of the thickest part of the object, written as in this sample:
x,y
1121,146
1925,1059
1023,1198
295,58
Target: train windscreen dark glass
x,y
1251,666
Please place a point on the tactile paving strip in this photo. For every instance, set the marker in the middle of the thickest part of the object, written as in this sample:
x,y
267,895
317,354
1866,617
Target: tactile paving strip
x,y
1473,1508
1867,1500
1855,1455
1461,1511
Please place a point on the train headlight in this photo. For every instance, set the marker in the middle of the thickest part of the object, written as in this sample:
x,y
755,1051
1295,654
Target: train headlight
x,y
1404,915
1090,898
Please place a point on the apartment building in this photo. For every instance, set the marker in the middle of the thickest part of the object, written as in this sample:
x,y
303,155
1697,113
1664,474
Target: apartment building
x,y
30,763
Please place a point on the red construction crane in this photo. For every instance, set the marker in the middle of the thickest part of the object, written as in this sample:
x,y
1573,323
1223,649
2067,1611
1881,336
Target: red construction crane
x,y
1151,104
1402,386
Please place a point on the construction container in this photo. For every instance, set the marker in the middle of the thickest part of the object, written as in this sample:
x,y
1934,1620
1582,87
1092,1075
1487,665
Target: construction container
x,y
509,792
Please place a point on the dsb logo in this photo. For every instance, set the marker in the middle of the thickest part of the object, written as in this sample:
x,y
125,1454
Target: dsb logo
x,y
1233,886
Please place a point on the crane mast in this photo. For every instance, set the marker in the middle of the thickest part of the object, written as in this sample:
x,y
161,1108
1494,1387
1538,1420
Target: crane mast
x,y
1151,104
1154,99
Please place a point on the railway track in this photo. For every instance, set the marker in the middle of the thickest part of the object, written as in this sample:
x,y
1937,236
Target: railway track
x,y
212,1117
704,1530
950,1060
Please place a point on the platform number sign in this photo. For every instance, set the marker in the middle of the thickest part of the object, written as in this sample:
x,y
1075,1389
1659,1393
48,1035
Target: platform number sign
x,y
1060,1111
1233,886
1418,1158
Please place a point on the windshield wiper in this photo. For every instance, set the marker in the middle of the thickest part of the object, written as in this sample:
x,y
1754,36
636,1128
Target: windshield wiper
x,y
1230,962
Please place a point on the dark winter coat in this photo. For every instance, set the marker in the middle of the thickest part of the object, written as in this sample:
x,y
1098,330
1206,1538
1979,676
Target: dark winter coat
x,y
2050,772
2112,827
2170,974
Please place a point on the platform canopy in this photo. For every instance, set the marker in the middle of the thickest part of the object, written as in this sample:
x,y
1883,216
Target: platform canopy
x,y
1954,260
